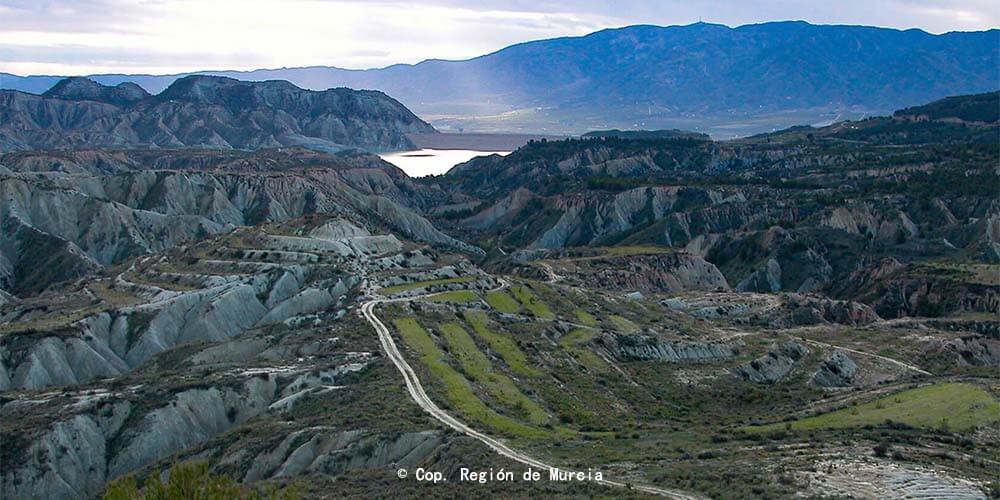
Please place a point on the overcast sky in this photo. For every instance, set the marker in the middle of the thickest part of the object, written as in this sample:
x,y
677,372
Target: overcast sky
x,y
67,37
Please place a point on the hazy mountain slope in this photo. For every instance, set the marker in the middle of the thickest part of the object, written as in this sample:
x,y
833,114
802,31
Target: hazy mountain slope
x,y
701,75
203,111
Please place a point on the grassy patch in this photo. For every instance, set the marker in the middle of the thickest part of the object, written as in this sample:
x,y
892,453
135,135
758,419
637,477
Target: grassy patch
x,y
50,322
578,336
638,250
114,296
624,325
573,342
458,296
478,368
956,407
536,306
963,272
502,301
502,344
585,318
420,284
457,389
153,279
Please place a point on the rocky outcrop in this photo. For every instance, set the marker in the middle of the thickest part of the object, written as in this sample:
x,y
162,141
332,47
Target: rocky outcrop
x,y
663,272
31,259
838,370
804,271
113,343
774,366
925,295
414,226
68,461
207,112
645,348
811,310
329,451
192,418
61,226
969,350
586,220
338,229
765,279
310,300
76,456
877,225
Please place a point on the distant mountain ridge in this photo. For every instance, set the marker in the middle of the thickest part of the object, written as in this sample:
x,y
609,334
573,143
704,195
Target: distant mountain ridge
x,y
204,112
701,76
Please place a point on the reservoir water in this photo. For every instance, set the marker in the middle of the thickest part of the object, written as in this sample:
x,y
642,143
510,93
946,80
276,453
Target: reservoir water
x,y
425,162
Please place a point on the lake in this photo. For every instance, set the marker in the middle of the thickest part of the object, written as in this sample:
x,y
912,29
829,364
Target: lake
x,y
425,162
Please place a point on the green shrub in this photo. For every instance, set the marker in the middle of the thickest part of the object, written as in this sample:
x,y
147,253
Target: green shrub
x,y
189,481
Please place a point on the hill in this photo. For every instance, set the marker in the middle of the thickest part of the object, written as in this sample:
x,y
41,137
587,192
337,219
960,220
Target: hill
x,y
980,108
849,210
206,112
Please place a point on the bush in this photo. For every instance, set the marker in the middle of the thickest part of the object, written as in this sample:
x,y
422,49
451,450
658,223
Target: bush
x,y
186,481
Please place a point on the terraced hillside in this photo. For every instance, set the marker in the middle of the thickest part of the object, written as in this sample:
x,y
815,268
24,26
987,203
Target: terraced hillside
x,y
245,348
726,394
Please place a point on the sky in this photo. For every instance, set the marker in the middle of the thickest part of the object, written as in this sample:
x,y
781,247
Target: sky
x,y
79,37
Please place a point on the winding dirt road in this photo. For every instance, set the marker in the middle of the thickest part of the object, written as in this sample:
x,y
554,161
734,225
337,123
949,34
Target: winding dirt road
x,y
416,390
869,354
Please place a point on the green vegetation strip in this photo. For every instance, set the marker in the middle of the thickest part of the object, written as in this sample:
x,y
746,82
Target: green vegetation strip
x,y
457,389
638,250
478,368
536,306
502,301
501,343
585,318
420,284
573,342
577,336
624,325
956,407
458,296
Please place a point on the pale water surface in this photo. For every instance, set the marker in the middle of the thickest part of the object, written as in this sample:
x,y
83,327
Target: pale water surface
x,y
433,161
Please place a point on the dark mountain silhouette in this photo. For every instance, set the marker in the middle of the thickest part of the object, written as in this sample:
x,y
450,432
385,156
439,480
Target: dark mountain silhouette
x,y
204,111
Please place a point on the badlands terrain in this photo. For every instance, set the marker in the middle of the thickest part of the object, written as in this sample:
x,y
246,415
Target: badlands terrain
x,y
810,312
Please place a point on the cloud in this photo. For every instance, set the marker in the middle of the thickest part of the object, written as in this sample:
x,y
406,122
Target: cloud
x,y
161,36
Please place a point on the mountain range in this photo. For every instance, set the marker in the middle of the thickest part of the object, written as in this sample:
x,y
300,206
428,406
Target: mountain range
x,y
707,77
204,111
